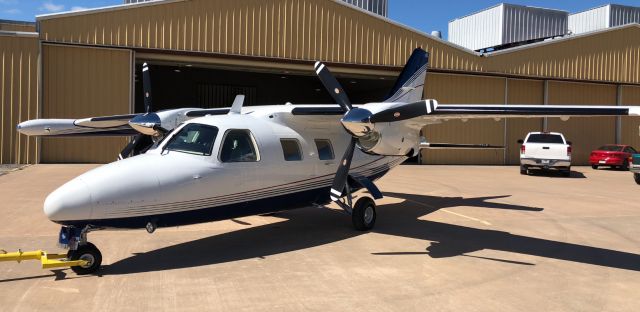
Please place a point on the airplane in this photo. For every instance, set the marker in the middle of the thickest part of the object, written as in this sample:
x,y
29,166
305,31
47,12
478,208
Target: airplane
x,y
190,165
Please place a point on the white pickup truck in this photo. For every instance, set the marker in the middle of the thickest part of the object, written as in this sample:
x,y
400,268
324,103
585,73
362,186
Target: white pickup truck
x,y
546,151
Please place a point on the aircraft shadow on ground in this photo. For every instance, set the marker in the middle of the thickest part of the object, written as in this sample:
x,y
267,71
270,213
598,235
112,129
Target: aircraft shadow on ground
x,y
307,228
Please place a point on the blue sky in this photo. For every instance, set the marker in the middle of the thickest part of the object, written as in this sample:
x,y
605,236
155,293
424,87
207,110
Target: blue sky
x,y
420,14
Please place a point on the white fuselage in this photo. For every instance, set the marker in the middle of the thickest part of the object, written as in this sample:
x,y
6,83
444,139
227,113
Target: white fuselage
x,y
173,187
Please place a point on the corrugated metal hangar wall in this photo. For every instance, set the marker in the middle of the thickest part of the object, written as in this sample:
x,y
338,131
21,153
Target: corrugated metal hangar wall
x,y
289,35
18,96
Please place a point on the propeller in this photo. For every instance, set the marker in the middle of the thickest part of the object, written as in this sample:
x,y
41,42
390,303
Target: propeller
x,y
333,86
337,92
404,111
359,122
148,124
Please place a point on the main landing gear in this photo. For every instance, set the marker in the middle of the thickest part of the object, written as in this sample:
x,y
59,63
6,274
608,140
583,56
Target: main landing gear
x,y
363,213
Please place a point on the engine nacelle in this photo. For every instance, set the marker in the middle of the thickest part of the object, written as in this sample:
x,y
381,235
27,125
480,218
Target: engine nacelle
x,y
390,139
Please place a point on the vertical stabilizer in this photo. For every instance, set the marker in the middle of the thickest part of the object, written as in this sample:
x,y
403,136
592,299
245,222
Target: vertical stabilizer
x,y
410,84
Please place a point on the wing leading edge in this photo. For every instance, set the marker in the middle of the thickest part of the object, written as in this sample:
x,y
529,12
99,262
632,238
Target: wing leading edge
x,y
451,111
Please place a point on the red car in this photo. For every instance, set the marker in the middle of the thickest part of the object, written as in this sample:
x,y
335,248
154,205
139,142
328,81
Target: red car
x,y
614,156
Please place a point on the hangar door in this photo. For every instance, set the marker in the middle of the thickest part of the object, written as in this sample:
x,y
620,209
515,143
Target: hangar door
x,y
80,82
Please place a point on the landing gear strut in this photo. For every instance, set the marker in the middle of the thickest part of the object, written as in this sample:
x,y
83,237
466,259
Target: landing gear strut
x,y
363,213
80,248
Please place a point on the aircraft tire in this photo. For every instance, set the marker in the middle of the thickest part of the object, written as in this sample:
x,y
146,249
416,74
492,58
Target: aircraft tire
x,y
88,252
364,214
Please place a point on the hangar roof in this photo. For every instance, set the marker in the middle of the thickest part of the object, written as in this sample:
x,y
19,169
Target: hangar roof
x,y
281,31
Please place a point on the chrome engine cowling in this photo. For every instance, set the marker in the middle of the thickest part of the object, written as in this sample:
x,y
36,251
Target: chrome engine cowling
x,y
382,138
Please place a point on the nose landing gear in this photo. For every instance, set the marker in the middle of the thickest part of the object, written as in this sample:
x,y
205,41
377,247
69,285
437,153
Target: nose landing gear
x,y
75,239
90,254
83,257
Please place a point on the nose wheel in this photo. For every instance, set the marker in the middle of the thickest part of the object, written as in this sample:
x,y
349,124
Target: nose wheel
x,y
89,253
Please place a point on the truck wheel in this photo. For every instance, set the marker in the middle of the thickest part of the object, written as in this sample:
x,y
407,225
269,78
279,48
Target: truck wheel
x,y
523,170
636,176
595,167
567,173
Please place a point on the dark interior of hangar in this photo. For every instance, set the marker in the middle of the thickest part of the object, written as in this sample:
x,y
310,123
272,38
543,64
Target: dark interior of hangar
x,y
185,86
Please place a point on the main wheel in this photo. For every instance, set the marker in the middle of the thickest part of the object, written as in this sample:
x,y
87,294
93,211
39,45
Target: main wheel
x,y
88,252
594,167
364,214
636,176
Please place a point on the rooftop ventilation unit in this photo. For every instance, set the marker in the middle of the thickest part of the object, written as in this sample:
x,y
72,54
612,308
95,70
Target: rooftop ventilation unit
x,y
507,25
606,16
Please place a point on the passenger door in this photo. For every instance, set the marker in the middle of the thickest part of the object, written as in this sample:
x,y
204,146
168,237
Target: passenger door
x,y
240,156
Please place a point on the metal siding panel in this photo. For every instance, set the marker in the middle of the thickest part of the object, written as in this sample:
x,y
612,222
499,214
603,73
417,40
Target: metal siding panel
x,y
18,97
505,24
83,82
7,26
622,15
583,58
461,89
587,133
527,23
229,27
590,20
522,92
477,31
631,125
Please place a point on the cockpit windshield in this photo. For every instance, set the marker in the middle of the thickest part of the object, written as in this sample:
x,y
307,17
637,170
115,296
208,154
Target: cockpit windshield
x,y
193,138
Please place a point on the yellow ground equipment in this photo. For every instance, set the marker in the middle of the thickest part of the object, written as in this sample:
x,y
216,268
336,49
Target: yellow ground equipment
x,y
48,260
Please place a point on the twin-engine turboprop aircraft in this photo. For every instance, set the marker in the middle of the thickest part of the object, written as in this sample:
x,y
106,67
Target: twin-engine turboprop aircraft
x,y
214,164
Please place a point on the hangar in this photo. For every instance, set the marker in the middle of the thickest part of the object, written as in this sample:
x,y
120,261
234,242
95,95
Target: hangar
x,y
203,52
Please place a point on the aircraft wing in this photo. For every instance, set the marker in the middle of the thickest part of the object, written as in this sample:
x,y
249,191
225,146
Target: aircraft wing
x,y
454,111
118,125
94,126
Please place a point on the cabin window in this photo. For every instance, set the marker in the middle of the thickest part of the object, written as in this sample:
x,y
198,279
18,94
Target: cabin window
x,y
239,146
193,139
291,149
325,150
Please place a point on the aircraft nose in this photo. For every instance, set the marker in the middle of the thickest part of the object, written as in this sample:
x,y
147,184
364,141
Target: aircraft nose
x,y
70,202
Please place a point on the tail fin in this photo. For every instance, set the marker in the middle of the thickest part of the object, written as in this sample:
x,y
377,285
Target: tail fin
x,y
410,84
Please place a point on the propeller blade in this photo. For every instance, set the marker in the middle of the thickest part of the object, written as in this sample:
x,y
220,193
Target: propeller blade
x,y
146,88
333,86
342,174
405,111
126,152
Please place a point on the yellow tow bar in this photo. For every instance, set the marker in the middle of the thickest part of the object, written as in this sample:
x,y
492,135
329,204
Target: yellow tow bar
x,y
48,260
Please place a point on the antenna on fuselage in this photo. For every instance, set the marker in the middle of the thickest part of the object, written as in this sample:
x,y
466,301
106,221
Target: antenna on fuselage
x,y
236,108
